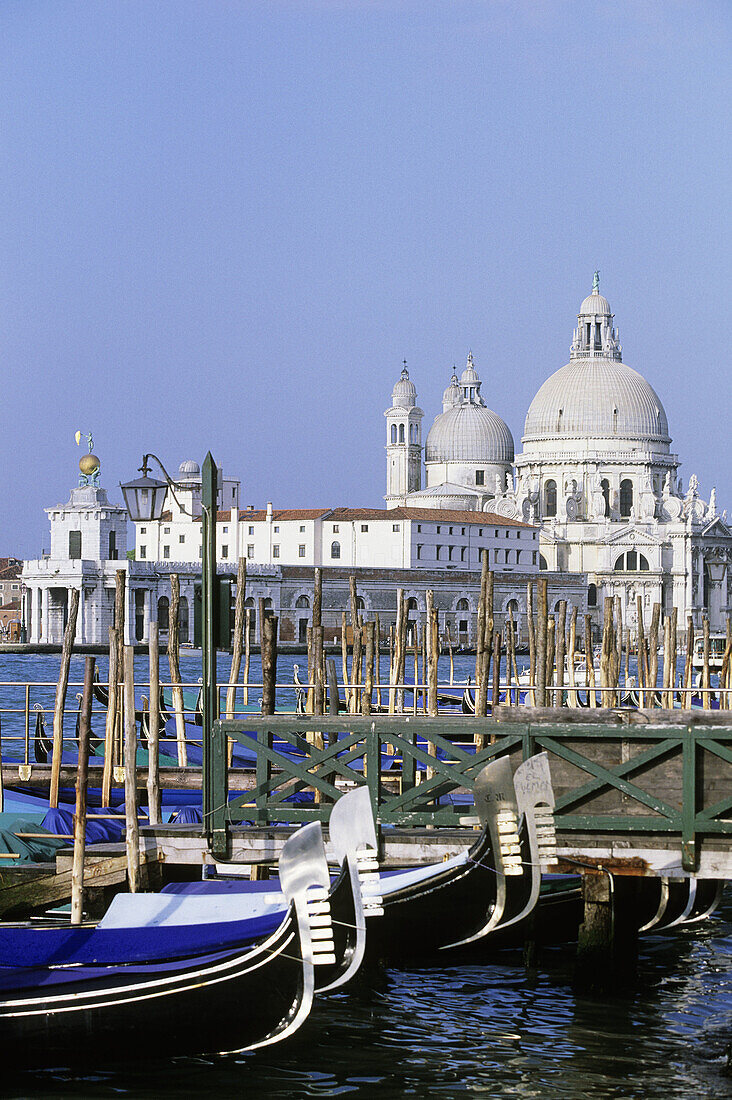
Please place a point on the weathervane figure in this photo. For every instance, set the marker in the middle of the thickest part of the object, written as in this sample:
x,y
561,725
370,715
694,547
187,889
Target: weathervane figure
x,y
596,283
89,464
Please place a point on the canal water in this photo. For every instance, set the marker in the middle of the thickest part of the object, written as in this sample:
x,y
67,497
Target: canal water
x,y
493,1030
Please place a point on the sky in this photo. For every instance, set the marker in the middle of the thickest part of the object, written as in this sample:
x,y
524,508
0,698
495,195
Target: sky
x,y
225,224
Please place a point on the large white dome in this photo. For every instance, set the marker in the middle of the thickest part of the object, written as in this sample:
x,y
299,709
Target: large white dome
x,y
469,433
597,398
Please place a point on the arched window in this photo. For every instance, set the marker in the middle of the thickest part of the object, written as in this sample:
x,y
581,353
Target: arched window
x,y
393,433
631,562
592,595
626,497
605,486
560,417
359,603
401,433
550,498
615,420
163,614
302,601
249,603
462,605
542,562
335,550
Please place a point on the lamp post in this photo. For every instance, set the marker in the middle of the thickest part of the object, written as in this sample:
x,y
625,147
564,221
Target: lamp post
x,y
144,499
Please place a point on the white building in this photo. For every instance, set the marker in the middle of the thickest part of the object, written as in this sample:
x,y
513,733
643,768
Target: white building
x,y
596,471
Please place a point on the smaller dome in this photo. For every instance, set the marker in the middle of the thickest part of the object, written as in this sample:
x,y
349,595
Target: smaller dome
x,y
453,395
595,305
470,374
404,393
189,469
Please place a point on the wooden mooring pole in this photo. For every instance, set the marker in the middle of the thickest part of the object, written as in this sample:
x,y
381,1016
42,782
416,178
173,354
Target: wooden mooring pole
x,y
61,688
82,772
153,742
132,826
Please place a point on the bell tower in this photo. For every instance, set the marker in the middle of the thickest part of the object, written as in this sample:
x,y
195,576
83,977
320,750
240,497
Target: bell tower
x,y
403,442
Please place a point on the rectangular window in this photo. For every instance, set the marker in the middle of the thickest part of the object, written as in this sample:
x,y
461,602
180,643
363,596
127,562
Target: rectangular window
x,y
450,531
336,528
302,528
364,527
166,530
181,538
166,551
518,534
251,530
462,553
224,530
143,551
462,530
439,551
395,527
438,529
495,534
74,544
301,551
419,551
275,551
143,530
419,527
277,530
250,551
508,534
480,477
112,546
225,550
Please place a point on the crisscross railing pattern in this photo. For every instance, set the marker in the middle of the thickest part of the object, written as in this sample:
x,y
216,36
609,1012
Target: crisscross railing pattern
x,y
668,781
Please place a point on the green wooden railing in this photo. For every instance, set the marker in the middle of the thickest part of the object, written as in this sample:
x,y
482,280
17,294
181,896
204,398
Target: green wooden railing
x,y
669,781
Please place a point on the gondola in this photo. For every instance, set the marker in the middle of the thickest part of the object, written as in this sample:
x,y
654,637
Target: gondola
x,y
354,893
449,906
183,975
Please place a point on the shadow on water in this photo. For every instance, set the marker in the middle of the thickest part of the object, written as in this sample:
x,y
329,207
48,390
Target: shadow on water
x,y
492,1030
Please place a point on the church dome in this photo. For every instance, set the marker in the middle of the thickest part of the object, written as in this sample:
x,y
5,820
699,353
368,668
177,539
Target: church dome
x,y
404,394
189,469
597,398
453,395
469,433
595,305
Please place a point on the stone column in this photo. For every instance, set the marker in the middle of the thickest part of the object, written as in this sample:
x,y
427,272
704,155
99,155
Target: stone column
x,y
45,635
81,637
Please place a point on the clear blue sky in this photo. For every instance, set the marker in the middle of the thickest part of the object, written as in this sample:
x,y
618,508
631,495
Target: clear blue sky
x,y
224,224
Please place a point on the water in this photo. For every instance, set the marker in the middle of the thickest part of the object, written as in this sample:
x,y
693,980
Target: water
x,y
489,1031
485,1031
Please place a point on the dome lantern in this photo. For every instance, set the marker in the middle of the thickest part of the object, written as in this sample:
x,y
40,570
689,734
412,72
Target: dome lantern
x,y
595,335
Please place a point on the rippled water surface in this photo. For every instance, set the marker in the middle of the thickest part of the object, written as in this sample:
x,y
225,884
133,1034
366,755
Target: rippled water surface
x,y
494,1030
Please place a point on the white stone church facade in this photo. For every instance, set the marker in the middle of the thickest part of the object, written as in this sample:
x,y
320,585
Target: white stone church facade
x,y
596,472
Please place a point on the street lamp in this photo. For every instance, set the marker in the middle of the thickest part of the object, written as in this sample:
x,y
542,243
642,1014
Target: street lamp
x,y
144,498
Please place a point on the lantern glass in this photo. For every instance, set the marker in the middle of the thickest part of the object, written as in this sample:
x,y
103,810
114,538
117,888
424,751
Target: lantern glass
x,y
144,498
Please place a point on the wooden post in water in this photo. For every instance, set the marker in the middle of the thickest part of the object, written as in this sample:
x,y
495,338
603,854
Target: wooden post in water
x,y
120,579
61,688
112,707
333,695
309,697
572,700
82,773
541,631
706,679
356,670
488,635
666,696
561,643
238,647
174,667
247,657
496,686
641,643
550,646
673,639
590,662
401,649
608,641
653,654
724,674
132,825
510,657
368,689
531,630
319,692
153,743
433,657
269,664
481,688
377,659
344,659
627,658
